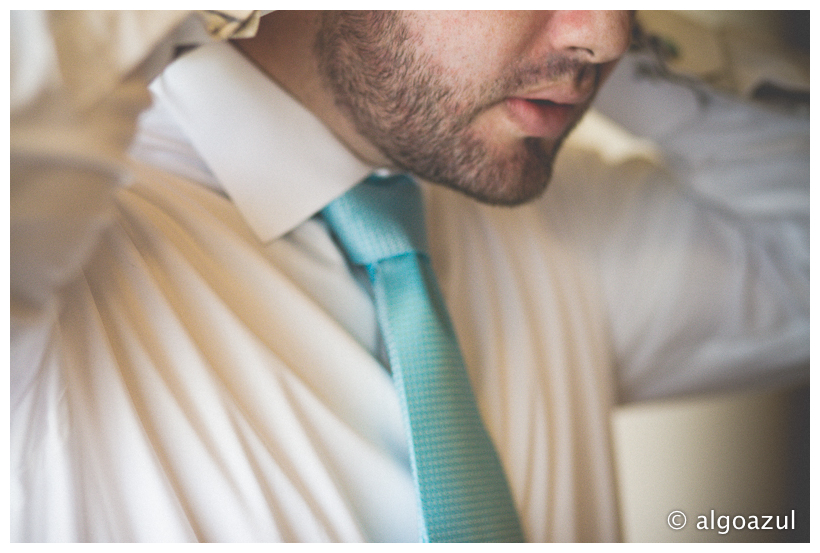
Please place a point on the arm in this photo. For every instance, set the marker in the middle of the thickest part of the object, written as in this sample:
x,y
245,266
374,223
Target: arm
x,y
78,83
705,262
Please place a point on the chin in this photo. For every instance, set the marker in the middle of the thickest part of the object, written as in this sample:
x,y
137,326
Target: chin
x,y
506,180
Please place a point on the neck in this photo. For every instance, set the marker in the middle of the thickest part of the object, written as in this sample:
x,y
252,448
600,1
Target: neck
x,y
283,49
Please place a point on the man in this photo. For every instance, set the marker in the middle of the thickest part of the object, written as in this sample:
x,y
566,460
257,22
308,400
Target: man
x,y
193,358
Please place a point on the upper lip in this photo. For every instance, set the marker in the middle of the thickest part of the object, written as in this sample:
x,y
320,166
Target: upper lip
x,y
574,89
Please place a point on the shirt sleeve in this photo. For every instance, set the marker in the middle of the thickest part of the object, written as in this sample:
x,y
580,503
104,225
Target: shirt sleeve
x,y
78,83
79,80
705,261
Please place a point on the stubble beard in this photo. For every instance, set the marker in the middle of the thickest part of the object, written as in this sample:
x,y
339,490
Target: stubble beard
x,y
400,102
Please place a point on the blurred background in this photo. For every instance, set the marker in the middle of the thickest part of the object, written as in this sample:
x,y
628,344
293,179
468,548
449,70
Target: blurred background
x,y
739,454
743,453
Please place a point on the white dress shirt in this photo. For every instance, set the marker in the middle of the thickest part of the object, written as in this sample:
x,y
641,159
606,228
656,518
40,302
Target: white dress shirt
x,y
193,359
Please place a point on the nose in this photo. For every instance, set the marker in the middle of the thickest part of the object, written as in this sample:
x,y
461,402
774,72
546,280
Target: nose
x,y
592,36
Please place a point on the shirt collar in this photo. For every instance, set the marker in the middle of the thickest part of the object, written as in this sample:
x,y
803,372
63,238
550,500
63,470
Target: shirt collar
x,y
276,160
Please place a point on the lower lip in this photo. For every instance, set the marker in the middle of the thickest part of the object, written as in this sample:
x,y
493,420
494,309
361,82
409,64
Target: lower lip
x,y
537,119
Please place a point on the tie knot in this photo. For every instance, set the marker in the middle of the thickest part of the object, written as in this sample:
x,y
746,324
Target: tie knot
x,y
381,217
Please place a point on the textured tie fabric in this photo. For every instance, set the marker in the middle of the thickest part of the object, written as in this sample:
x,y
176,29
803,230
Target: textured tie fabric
x,y
462,492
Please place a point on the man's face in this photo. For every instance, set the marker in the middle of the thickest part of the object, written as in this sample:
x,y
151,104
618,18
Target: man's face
x,y
478,101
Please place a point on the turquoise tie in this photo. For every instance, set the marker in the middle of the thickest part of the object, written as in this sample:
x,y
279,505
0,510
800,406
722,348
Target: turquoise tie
x,y
462,492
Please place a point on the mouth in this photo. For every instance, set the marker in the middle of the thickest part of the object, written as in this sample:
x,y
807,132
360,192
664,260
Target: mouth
x,y
549,109
542,118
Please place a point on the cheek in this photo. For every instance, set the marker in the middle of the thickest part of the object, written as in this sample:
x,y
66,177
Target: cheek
x,y
469,47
